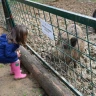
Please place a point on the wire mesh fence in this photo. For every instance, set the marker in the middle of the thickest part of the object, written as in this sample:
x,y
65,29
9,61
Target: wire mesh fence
x,y
2,19
68,47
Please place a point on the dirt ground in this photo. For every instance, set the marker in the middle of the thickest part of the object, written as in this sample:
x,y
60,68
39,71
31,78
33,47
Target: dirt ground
x,y
24,87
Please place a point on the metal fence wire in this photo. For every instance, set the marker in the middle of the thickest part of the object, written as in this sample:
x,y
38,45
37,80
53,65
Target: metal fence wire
x,y
2,18
68,48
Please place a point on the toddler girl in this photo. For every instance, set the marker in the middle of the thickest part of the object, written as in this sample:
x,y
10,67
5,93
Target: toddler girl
x,y
9,45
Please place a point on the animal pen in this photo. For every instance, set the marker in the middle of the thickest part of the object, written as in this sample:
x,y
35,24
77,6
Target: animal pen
x,y
46,26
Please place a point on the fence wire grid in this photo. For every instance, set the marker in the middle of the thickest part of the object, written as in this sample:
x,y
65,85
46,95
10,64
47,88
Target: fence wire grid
x,y
2,18
71,53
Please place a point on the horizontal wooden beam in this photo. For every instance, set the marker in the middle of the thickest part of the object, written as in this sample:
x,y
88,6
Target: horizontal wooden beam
x,y
47,80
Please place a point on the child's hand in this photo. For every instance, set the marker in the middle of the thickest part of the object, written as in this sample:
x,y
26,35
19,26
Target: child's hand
x,y
18,53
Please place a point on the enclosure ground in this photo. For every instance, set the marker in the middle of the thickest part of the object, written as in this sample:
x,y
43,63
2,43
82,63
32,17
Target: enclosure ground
x,y
23,87
85,7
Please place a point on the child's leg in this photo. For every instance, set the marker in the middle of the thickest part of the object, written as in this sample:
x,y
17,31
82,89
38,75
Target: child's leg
x,y
17,71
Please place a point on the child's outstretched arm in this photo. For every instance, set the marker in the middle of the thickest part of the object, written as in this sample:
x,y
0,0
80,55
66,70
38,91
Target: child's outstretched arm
x,y
18,53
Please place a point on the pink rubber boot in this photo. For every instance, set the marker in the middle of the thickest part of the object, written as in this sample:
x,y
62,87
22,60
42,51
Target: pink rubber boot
x,y
17,72
12,69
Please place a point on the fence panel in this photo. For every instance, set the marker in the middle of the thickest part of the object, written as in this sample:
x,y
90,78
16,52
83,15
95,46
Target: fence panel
x,y
2,17
69,51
